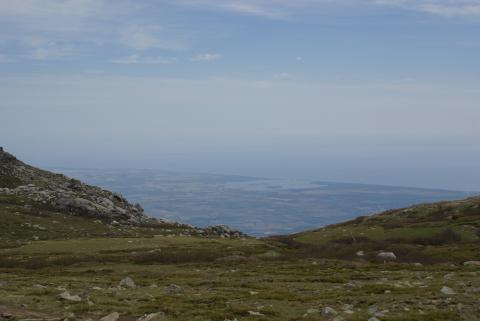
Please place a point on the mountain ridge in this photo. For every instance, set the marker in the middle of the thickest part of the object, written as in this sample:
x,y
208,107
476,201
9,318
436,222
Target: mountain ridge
x,y
71,196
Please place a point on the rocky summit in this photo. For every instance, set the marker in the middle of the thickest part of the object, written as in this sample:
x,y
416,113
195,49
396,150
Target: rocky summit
x,y
64,193
69,195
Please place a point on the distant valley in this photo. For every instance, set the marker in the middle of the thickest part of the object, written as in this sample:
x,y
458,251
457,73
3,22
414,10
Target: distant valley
x,y
256,206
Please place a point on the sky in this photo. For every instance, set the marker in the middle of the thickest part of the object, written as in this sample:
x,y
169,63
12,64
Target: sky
x,y
369,91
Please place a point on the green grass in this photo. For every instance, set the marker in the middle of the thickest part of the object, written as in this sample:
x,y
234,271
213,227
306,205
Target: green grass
x,y
279,290
429,233
278,279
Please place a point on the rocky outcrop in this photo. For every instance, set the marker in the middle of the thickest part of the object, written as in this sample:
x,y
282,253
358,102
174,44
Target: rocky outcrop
x,y
65,194
69,195
223,231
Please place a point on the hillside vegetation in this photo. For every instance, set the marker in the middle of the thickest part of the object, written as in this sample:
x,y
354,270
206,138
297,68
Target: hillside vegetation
x,y
427,233
59,264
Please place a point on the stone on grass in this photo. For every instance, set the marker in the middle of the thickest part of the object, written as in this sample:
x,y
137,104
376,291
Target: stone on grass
x,y
328,311
111,317
472,263
152,316
68,297
173,289
127,283
387,256
447,291
255,313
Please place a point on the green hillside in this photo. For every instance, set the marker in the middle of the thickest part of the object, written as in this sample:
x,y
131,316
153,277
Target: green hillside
x,y
61,263
427,233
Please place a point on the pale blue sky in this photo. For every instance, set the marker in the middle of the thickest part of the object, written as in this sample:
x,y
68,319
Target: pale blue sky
x,y
380,91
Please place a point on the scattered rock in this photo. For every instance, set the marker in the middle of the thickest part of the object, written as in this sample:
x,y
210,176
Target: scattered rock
x,y
68,297
472,263
373,319
152,316
127,283
173,289
224,231
111,317
372,310
360,253
387,256
328,311
256,313
447,291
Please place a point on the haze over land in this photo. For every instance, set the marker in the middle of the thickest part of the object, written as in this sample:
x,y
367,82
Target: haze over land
x,y
256,206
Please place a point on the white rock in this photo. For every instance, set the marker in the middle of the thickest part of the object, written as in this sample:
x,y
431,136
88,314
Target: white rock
x,y
111,317
447,291
472,263
360,253
387,256
328,311
152,316
68,297
127,283
254,313
173,289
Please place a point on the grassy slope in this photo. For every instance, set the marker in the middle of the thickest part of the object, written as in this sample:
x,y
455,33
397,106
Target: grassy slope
x,y
24,221
229,278
438,232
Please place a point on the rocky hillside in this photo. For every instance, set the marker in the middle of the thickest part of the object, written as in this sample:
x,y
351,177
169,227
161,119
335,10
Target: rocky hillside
x,y
70,196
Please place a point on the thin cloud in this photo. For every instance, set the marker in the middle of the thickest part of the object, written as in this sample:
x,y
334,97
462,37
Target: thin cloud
x,y
206,57
147,37
137,59
43,8
447,8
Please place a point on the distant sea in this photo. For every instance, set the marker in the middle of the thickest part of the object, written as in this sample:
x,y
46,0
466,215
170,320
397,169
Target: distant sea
x,y
257,206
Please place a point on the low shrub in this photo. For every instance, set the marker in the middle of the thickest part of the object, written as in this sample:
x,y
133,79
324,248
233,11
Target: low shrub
x,y
173,256
8,263
36,263
446,237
